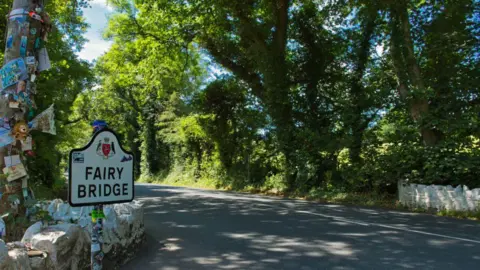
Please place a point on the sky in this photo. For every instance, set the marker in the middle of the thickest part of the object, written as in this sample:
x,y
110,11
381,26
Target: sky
x,y
96,17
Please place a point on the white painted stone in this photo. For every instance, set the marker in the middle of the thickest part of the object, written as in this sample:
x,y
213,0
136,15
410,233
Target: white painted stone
x,y
52,207
460,198
63,212
13,245
430,197
41,263
67,244
5,260
20,259
31,231
3,228
123,231
81,216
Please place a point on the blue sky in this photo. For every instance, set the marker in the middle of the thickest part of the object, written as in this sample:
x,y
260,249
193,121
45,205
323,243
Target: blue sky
x,y
96,16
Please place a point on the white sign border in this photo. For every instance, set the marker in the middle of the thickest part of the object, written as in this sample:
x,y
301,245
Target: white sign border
x,y
70,161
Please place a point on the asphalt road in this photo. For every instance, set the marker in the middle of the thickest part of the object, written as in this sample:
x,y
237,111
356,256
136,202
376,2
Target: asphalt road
x,y
199,229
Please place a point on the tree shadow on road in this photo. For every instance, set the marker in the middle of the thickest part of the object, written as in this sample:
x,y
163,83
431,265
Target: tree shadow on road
x,y
194,229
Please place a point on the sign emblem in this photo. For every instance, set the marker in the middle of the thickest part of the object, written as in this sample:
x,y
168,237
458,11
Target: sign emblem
x,y
105,148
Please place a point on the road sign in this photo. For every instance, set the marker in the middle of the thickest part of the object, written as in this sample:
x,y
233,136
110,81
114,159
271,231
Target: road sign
x,y
101,172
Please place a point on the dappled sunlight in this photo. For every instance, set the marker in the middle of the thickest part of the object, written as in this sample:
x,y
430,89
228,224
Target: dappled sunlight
x,y
211,230
206,260
441,242
338,248
352,234
172,247
276,249
174,224
159,212
270,260
368,211
387,232
274,243
339,223
240,235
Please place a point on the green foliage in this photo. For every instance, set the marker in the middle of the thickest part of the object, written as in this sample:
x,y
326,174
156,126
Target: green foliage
x,y
460,214
43,216
321,98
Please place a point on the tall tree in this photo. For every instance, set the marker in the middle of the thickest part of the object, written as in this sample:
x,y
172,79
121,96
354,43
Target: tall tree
x,y
358,122
408,71
139,78
28,25
59,85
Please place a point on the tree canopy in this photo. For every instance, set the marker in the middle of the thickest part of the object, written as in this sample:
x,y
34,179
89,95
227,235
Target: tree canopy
x,y
293,95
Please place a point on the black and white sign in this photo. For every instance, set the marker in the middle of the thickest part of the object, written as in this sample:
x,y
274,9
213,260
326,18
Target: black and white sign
x,y
101,172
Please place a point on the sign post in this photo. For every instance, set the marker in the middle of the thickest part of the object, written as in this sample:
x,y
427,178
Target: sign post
x,y
100,173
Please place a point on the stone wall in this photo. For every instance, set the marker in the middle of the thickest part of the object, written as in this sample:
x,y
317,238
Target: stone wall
x,y
66,245
460,198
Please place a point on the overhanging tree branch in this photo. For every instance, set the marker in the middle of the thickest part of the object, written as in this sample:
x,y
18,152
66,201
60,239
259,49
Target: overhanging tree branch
x,y
71,122
250,31
250,77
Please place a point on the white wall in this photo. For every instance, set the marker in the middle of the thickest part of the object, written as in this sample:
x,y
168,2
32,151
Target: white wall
x,y
438,197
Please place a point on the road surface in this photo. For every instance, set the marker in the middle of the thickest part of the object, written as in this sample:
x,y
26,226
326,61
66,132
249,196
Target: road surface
x,y
198,229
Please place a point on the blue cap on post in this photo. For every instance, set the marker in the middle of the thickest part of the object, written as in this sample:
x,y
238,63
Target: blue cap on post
x,y
99,125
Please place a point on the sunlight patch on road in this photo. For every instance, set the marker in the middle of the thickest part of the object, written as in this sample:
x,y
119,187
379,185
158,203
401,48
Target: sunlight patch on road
x,y
171,247
240,235
315,254
294,246
270,260
338,248
207,260
352,234
174,224
279,249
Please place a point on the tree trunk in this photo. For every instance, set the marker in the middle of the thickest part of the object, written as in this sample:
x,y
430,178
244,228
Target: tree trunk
x,y
24,36
358,123
135,147
404,60
151,147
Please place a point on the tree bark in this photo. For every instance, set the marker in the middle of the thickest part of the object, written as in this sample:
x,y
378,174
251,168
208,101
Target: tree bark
x,y
135,147
13,52
358,123
403,55
151,147
267,77
278,89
